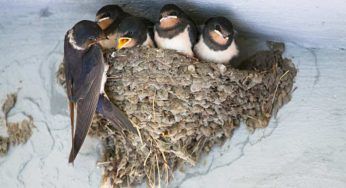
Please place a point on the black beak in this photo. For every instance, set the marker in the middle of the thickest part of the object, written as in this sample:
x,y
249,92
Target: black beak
x,y
103,36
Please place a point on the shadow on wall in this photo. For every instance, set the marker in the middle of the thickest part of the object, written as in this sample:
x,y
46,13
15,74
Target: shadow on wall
x,y
198,12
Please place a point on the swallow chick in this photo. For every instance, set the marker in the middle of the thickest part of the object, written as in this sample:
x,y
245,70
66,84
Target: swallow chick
x,y
134,31
85,72
216,43
109,18
175,30
108,14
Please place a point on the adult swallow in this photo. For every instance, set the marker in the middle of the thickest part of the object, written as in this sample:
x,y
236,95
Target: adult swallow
x,y
109,18
175,30
216,42
134,31
85,72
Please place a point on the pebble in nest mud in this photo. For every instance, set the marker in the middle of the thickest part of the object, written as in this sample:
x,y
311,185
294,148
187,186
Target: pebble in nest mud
x,y
183,108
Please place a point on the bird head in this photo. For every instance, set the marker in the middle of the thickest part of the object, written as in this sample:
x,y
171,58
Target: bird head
x,y
107,14
86,33
170,16
130,33
219,30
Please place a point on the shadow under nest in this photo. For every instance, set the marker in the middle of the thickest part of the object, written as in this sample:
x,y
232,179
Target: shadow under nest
x,y
182,107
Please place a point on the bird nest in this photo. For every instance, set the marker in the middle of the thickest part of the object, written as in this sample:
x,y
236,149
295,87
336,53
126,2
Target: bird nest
x,y
182,107
17,132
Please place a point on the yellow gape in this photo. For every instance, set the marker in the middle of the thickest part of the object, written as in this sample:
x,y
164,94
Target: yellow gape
x,y
122,42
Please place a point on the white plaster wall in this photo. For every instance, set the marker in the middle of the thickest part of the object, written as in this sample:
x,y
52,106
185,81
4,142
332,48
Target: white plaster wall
x,y
312,23
304,146
309,22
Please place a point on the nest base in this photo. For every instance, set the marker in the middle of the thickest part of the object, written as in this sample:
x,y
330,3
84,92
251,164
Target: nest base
x,y
183,108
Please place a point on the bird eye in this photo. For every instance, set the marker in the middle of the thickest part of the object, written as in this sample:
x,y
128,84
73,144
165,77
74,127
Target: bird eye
x,y
92,38
130,33
174,13
105,15
218,27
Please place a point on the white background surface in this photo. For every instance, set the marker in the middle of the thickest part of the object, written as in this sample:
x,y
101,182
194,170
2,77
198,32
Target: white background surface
x,y
305,146
314,23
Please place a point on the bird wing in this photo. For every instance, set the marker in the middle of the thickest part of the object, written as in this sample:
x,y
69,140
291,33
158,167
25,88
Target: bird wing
x,y
150,29
108,110
68,54
91,63
88,90
69,79
193,33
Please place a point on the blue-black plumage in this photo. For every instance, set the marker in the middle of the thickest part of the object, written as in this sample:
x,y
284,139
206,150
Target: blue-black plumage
x,y
175,30
85,72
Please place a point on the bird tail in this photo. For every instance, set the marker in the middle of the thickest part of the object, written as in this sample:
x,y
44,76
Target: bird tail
x,y
71,106
85,112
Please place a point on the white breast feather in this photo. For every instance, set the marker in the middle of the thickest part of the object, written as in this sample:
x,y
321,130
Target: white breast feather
x,y
181,42
104,79
223,56
148,42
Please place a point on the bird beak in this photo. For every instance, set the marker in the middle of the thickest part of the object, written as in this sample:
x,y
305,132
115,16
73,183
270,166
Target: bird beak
x,y
219,33
104,22
168,17
102,19
100,38
122,41
103,36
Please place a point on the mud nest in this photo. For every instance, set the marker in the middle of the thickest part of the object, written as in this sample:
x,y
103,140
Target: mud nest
x,y
182,107
18,132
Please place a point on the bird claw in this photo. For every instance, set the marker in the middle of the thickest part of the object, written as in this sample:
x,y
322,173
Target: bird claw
x,y
188,56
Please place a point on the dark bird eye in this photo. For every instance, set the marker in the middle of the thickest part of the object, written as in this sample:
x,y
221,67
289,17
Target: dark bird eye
x,y
92,38
130,33
218,27
174,13
105,15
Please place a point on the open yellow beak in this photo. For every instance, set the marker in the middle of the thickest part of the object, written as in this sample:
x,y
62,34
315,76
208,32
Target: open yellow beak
x,y
122,41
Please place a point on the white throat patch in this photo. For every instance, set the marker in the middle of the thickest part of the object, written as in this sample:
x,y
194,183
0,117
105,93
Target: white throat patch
x,y
148,42
72,41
